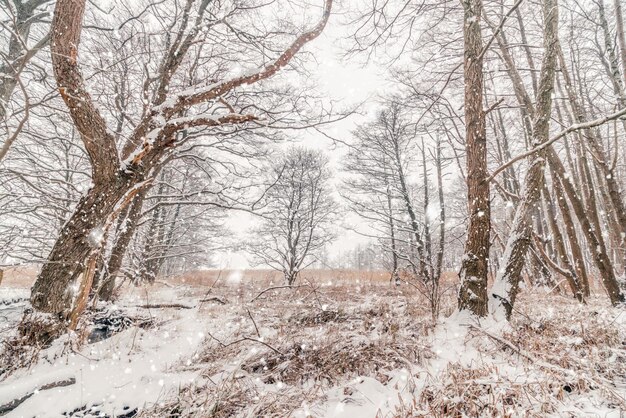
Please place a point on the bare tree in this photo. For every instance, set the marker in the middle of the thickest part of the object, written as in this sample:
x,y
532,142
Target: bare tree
x,y
506,284
298,214
118,178
382,164
24,24
475,264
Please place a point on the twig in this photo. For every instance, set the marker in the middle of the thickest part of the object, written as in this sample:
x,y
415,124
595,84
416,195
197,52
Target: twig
x,y
219,275
254,322
214,299
274,288
242,339
164,305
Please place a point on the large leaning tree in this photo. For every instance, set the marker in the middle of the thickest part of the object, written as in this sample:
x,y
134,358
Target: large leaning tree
x,y
119,174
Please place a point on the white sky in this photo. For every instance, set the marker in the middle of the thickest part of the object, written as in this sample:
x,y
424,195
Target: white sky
x,y
343,81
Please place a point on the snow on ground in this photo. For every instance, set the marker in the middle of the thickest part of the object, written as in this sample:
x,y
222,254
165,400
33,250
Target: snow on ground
x,y
332,349
135,368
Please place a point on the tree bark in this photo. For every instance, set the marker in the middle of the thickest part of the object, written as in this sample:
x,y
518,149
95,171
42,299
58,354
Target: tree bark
x,y
124,237
506,285
52,289
475,264
573,279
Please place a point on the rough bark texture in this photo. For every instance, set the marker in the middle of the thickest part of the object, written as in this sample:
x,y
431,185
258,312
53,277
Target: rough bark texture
x,y
475,265
51,291
506,284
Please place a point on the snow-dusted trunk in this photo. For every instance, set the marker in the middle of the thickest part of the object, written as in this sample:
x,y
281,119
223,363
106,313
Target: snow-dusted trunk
x,y
609,180
596,246
475,265
621,37
125,233
79,236
66,262
573,279
506,284
505,287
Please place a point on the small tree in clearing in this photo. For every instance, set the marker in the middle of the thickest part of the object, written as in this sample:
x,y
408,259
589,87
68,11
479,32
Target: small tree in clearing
x,y
298,213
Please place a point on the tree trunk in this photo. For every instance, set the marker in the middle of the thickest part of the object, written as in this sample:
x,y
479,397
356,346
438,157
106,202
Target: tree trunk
x,y
506,285
580,115
475,265
597,250
52,289
573,279
395,279
621,38
125,234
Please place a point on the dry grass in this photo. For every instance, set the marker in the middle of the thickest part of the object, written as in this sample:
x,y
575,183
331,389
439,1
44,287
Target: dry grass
x,y
266,276
274,351
291,346
19,277
35,332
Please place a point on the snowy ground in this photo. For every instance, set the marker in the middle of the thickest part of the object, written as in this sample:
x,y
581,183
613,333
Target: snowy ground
x,y
326,349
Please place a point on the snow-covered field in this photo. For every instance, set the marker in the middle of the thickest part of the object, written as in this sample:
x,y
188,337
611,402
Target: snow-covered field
x,y
326,349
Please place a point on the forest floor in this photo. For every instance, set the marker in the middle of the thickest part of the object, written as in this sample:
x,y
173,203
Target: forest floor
x,y
215,345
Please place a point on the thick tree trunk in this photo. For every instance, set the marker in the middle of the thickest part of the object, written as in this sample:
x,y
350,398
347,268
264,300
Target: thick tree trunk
x,y
475,265
79,236
506,285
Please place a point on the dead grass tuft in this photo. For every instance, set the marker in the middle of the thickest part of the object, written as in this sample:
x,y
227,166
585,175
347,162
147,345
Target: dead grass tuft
x,y
332,362
35,332
317,318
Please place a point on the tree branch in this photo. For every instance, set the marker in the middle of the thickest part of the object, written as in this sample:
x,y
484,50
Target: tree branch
x,y
65,38
572,128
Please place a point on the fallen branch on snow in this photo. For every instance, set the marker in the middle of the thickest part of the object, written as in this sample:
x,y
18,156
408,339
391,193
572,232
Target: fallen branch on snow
x,y
214,299
165,305
8,407
274,288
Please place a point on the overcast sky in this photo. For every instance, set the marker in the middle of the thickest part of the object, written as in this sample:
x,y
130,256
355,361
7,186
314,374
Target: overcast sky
x,y
346,81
